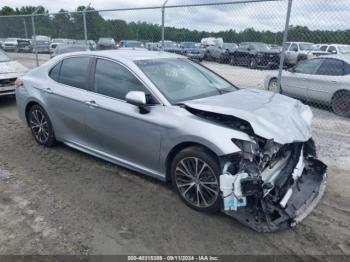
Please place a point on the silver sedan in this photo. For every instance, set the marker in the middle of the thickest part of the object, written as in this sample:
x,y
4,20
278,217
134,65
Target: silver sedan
x,y
324,80
248,153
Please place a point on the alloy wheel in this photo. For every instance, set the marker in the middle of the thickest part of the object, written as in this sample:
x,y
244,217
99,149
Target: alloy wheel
x,y
39,126
196,182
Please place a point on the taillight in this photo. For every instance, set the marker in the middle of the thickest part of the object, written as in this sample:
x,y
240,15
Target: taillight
x,y
18,82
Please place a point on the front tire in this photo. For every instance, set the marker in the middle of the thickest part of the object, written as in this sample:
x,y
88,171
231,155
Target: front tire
x,y
41,127
341,103
195,177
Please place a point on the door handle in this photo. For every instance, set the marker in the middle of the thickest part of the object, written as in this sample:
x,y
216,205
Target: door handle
x,y
334,81
92,103
48,90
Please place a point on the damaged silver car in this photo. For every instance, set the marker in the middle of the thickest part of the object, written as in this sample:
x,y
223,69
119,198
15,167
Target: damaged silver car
x,y
248,153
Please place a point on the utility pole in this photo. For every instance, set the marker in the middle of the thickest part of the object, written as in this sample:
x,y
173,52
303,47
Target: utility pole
x,y
163,23
85,26
25,28
285,37
34,36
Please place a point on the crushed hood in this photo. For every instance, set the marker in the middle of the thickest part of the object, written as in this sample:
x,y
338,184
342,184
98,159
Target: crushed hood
x,y
11,69
272,116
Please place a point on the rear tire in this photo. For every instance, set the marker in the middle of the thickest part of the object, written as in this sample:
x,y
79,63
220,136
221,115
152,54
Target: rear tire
x,y
41,127
341,103
195,177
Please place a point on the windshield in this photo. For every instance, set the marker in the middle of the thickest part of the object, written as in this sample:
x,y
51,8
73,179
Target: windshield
x,y
260,46
306,47
189,45
344,49
4,57
181,80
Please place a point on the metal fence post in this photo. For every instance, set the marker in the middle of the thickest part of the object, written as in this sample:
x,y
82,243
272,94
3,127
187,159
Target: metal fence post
x,y
285,37
34,37
85,27
25,28
163,23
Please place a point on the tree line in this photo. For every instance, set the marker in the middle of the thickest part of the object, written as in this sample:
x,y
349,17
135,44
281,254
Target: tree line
x,y
70,25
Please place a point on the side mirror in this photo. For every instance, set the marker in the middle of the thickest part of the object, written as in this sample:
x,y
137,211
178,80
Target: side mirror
x,y
138,98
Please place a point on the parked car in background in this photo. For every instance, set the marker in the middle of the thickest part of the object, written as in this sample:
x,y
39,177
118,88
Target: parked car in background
x,y
220,53
10,70
42,44
105,43
91,44
335,49
298,51
171,47
151,46
24,45
10,45
323,80
193,50
2,40
130,44
212,41
68,48
275,47
57,41
255,55
248,153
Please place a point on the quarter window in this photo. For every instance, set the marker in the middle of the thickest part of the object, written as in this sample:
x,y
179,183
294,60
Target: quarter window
x,y
74,72
331,67
114,80
55,72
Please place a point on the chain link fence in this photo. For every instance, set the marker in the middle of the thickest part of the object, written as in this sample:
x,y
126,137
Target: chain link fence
x,y
244,41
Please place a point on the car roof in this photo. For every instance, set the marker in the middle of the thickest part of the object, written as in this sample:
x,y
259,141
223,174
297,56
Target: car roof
x,y
130,54
343,57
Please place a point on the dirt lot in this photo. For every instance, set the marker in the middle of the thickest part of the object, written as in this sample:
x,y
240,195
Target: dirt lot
x,y
61,201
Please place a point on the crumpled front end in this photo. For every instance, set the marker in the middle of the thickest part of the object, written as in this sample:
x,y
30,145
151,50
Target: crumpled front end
x,y
270,187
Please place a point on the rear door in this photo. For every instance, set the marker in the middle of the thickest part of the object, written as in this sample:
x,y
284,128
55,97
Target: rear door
x,y
66,95
328,78
296,82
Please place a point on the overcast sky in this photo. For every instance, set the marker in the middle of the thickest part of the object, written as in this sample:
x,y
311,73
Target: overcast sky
x,y
316,14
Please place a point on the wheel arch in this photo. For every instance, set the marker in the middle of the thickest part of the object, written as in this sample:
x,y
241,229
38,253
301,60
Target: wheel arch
x,y
29,105
176,149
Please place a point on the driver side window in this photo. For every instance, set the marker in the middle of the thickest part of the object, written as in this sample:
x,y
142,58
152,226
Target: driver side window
x,y
114,80
294,48
308,66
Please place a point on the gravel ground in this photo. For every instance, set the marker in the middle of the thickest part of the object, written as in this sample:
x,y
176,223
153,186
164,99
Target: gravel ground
x,y
60,201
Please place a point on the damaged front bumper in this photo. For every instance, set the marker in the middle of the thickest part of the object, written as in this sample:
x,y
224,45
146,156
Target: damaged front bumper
x,y
284,201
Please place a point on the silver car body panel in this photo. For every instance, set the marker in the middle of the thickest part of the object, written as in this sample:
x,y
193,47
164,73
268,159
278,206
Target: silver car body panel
x,y
8,71
272,116
313,87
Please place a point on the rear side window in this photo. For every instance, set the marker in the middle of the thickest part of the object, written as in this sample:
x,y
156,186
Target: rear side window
x,y
55,72
114,80
347,69
331,67
74,72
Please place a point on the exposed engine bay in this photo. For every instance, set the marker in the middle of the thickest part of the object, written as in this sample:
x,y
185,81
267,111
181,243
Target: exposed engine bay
x,y
268,186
